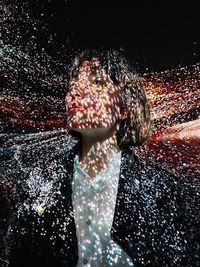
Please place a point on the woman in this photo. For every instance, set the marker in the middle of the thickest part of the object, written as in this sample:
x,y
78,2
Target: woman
x,y
81,196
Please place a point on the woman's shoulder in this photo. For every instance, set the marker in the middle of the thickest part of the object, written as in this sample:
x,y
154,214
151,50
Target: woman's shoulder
x,y
17,139
159,173
20,141
31,147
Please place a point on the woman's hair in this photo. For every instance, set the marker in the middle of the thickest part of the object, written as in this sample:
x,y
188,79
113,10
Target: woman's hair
x,y
134,129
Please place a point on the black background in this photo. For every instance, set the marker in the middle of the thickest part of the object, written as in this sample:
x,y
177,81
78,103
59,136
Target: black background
x,y
153,36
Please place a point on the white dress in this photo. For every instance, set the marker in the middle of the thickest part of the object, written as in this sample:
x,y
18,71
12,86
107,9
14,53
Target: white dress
x,y
94,205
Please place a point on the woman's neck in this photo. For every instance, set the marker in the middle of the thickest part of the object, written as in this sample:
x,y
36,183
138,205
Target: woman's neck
x,y
96,155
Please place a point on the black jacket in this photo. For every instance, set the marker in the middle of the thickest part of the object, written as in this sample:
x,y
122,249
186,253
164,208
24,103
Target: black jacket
x,y
38,227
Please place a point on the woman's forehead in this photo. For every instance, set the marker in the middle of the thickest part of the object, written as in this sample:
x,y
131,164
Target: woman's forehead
x,y
94,63
93,69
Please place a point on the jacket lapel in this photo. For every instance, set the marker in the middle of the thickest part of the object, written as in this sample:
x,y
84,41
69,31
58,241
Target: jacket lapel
x,y
146,222
126,210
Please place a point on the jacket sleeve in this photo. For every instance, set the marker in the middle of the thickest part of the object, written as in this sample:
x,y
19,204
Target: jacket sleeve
x,y
188,200
8,178
7,203
11,174
172,249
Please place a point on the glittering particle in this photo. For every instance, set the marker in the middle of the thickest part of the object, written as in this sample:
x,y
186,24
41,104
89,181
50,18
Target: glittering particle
x,y
39,209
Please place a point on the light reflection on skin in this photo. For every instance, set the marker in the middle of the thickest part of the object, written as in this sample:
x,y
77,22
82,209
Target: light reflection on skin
x,y
93,109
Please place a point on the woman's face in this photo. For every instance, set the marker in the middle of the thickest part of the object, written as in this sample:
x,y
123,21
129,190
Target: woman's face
x,y
93,99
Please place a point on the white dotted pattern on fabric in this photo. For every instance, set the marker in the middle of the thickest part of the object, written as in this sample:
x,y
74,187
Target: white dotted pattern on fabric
x,y
94,205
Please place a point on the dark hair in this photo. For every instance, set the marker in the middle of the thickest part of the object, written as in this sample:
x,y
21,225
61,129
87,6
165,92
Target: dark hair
x,y
135,129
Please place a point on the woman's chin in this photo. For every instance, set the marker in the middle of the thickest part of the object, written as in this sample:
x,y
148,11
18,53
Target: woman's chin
x,y
87,130
78,125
